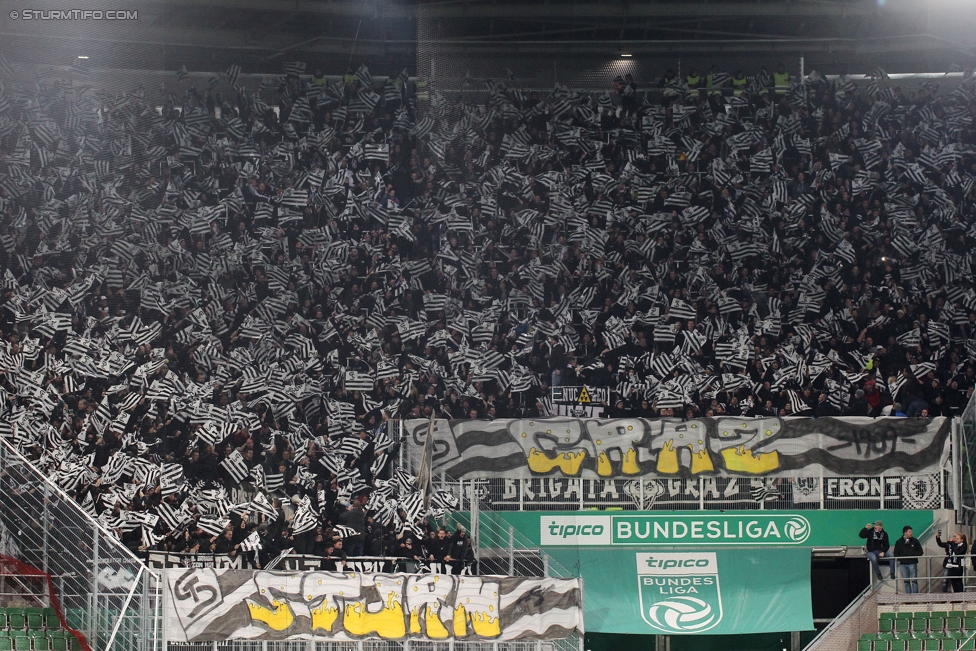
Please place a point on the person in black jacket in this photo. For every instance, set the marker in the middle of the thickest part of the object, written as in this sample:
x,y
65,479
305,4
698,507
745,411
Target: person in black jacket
x,y
354,517
907,551
955,549
460,554
877,546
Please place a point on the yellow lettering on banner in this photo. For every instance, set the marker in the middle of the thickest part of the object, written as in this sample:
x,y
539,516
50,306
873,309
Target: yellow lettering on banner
x,y
419,606
584,396
739,459
631,467
482,624
435,627
460,622
667,459
324,617
604,467
278,619
477,608
569,463
415,622
387,623
701,461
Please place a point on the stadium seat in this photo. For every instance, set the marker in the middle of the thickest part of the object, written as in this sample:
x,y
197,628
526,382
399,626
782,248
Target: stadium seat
x,y
73,643
968,645
21,643
914,645
953,623
16,619
51,620
969,623
903,625
932,645
898,645
957,613
886,624
865,645
882,645
936,624
920,624
950,644
35,618
59,644
942,614
41,643
5,643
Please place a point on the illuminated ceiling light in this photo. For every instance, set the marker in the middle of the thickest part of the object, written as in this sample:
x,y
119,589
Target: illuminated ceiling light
x,y
81,56
627,55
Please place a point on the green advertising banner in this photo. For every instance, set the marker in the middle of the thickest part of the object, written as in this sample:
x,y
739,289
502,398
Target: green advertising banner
x,y
692,572
716,592
701,529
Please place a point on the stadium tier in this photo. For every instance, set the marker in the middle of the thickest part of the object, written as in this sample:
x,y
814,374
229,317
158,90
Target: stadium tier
x,y
489,351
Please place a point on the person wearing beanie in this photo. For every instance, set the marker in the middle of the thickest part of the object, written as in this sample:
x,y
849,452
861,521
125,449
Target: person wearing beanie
x,y
878,547
859,405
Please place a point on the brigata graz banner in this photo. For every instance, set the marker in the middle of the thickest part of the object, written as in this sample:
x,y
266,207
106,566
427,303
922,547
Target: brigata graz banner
x,y
158,560
662,448
723,591
215,605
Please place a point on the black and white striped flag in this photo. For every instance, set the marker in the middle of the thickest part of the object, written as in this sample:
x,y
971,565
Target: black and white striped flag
x,y
235,467
252,543
212,525
306,517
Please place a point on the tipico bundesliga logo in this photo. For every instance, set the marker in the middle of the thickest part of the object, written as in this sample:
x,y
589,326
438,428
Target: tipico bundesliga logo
x,y
672,530
679,592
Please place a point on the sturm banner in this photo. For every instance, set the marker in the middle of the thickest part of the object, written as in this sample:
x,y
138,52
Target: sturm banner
x,y
216,605
690,592
730,447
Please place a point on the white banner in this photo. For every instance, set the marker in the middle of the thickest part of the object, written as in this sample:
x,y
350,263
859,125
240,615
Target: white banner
x,y
219,604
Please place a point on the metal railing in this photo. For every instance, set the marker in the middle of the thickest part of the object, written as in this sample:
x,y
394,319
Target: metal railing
x,y
109,595
498,547
965,461
569,644
860,616
106,592
930,575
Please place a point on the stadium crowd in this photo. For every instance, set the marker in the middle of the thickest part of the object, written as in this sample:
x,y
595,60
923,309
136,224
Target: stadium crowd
x,y
242,287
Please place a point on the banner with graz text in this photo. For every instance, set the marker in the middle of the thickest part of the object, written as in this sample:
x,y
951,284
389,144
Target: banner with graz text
x,y
662,448
218,604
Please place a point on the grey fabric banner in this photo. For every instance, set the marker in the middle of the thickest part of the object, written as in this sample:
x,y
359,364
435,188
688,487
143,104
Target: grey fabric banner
x,y
215,604
662,448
